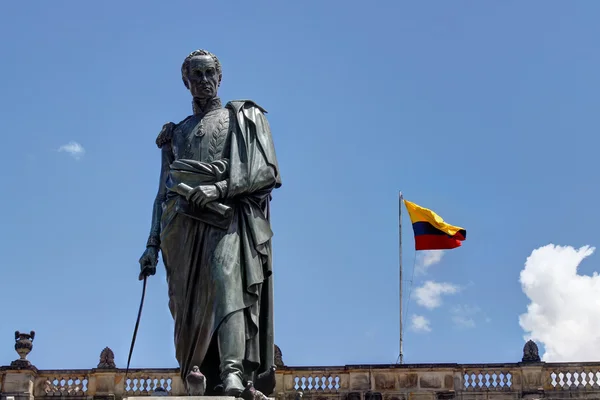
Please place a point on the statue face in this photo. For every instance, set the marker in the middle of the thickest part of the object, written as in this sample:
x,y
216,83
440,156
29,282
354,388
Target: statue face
x,y
202,77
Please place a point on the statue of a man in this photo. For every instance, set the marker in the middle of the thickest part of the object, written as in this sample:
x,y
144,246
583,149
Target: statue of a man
x,y
211,222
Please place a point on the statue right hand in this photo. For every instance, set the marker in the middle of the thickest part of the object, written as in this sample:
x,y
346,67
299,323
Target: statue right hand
x,y
148,262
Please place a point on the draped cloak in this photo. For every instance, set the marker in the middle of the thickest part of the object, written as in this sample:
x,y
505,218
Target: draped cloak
x,y
213,272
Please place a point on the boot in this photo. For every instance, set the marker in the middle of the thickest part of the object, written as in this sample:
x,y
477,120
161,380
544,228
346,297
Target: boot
x,y
232,348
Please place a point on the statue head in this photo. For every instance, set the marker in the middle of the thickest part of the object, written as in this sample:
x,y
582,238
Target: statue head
x,y
201,74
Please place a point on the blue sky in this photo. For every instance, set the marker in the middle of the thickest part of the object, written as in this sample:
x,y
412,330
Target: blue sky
x,y
485,112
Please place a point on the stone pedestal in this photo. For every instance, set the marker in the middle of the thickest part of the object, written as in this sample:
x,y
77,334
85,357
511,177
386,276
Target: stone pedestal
x,y
19,384
104,384
532,379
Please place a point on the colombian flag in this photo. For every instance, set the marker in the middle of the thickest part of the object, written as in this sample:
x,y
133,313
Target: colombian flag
x,y
431,232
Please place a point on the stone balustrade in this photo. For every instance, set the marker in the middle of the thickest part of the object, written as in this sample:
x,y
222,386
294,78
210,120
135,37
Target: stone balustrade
x,y
529,379
352,382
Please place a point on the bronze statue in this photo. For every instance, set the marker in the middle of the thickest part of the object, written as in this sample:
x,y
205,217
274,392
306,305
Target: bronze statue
x,y
211,222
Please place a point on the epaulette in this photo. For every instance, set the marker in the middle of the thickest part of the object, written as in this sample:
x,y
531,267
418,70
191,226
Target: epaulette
x,y
166,133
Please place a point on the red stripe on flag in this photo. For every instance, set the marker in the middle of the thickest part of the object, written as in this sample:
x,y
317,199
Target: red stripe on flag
x,y
436,242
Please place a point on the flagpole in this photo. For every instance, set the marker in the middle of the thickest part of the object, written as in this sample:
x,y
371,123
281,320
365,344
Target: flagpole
x,y
400,198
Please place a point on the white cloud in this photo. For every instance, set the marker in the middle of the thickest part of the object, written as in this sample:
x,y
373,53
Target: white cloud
x,y
430,294
564,309
463,316
426,259
420,324
74,149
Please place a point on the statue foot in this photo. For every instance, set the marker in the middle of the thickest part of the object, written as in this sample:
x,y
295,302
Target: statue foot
x,y
195,382
265,382
250,393
232,386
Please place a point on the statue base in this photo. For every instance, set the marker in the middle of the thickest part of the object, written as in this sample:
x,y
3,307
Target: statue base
x,y
22,364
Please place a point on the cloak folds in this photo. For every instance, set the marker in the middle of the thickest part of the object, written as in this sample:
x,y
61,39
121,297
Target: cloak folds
x,y
213,272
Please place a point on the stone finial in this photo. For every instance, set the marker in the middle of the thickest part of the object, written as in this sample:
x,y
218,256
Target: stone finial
x,y
278,357
23,346
107,359
531,353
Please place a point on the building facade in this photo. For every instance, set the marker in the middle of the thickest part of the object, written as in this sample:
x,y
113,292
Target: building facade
x,y
528,379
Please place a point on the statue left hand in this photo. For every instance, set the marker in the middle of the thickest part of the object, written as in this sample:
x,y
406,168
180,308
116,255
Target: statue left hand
x,y
202,195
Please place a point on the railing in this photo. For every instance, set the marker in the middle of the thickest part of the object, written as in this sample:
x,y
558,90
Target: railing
x,y
312,380
433,381
529,379
572,376
62,383
83,383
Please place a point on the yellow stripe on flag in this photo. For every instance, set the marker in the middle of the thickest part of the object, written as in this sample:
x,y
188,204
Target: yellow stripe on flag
x,y
422,214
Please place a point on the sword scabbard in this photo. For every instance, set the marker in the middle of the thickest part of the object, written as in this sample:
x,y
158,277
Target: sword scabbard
x,y
137,325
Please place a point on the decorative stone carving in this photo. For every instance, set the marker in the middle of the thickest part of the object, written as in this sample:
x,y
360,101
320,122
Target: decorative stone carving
x,y
531,353
278,357
430,382
23,346
107,359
